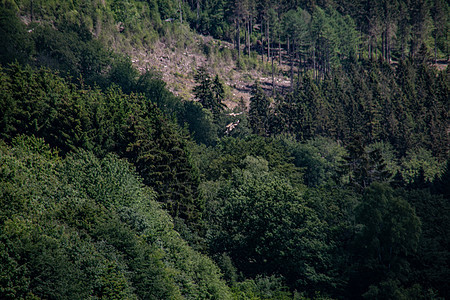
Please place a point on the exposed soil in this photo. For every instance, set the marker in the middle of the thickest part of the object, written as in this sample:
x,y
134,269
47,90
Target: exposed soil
x,y
178,68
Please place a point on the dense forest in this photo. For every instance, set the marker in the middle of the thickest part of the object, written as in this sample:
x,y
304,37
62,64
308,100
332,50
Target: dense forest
x,y
336,186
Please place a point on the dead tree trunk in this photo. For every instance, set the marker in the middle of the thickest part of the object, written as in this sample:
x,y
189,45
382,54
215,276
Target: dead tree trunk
x,y
262,43
279,49
273,79
238,38
248,35
268,40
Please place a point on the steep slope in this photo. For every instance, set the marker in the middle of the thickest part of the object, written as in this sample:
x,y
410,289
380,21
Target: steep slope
x,y
178,64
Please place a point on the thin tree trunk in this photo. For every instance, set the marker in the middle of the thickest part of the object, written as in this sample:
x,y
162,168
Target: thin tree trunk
x,y
279,49
292,63
292,73
288,47
388,54
435,48
387,45
268,40
31,10
262,43
245,36
314,63
234,38
238,38
181,12
248,36
298,68
273,80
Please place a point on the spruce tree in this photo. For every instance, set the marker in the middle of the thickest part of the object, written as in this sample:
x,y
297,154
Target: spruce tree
x,y
259,111
210,93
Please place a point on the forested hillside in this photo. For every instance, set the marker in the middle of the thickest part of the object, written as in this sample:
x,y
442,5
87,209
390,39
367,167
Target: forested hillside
x,y
331,180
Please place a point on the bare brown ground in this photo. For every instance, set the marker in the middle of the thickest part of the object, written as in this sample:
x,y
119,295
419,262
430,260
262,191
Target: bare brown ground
x,y
178,67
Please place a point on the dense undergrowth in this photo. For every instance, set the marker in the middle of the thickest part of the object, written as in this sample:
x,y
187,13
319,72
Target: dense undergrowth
x,y
112,187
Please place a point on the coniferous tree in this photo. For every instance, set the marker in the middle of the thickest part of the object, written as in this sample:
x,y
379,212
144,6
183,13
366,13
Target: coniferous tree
x,y
219,96
16,44
259,111
442,184
210,93
363,167
160,154
203,90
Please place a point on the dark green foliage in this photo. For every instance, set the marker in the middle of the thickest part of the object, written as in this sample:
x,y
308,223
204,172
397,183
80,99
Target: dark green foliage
x,y
321,158
201,123
151,85
363,167
419,165
442,184
67,44
292,215
314,111
41,103
159,151
254,213
430,262
336,208
123,74
89,228
16,45
219,94
372,100
210,93
72,50
203,90
52,254
266,226
70,117
262,287
390,233
212,18
219,162
324,34
259,111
